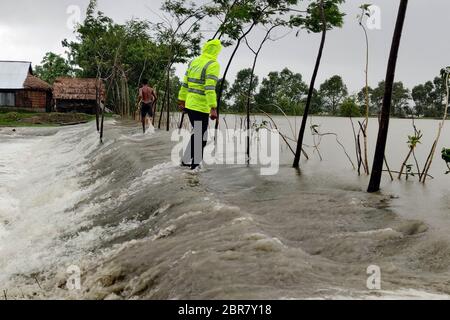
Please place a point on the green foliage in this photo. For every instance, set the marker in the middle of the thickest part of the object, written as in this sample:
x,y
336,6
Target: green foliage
x,y
236,14
285,90
52,67
365,7
11,116
445,72
365,12
103,45
181,38
21,118
333,91
446,155
124,54
361,101
400,99
446,158
181,9
120,53
312,22
239,91
317,103
349,108
175,86
414,140
429,98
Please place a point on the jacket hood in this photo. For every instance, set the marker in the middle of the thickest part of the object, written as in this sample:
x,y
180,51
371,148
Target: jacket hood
x,y
212,49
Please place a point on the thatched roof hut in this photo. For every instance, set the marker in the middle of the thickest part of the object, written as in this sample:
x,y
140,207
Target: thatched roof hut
x,y
34,83
78,89
78,94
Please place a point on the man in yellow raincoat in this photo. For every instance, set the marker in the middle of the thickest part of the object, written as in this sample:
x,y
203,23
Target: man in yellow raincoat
x,y
198,99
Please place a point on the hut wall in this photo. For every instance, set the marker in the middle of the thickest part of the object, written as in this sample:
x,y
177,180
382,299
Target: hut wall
x,y
80,106
7,98
32,99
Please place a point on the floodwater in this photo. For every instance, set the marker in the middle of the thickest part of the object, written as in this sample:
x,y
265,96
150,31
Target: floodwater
x,y
137,226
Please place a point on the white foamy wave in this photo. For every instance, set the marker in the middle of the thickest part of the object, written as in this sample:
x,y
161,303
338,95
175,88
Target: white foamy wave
x,y
40,180
401,294
152,176
140,136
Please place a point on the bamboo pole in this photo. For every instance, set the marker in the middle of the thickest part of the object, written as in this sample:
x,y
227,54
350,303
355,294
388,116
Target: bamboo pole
x,y
441,126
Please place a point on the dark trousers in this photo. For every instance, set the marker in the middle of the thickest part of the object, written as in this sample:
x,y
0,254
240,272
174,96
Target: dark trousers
x,y
194,151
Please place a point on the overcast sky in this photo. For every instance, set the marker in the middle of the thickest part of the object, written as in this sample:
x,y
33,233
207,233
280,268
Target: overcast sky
x,y
29,29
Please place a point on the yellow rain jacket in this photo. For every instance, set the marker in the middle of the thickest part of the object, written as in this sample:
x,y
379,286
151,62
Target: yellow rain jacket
x,y
199,84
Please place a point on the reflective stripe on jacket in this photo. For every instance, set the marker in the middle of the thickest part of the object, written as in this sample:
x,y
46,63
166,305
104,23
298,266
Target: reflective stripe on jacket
x,y
199,84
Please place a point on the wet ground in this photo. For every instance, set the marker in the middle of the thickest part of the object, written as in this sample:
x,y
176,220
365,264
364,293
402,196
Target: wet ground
x,y
139,227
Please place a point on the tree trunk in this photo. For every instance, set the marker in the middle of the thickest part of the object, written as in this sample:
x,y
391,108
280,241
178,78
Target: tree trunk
x,y
219,98
377,169
301,134
102,123
118,104
155,106
168,100
249,93
97,102
248,107
162,109
366,124
127,90
124,97
180,126
225,20
441,126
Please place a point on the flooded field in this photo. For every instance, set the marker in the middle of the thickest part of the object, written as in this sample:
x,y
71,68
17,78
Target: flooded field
x,y
137,226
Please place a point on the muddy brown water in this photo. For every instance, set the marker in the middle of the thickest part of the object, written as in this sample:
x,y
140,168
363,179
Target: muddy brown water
x,y
139,227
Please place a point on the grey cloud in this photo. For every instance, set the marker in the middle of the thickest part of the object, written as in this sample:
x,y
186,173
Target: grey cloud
x,y
28,29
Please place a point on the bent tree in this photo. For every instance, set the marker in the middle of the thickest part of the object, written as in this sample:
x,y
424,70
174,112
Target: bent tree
x,y
256,53
236,15
240,19
365,12
377,169
322,16
182,37
445,73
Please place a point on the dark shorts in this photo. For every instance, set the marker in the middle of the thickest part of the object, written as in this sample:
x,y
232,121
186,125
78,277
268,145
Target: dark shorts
x,y
146,108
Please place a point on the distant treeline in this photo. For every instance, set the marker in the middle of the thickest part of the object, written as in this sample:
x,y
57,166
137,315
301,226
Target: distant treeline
x,y
124,54
286,92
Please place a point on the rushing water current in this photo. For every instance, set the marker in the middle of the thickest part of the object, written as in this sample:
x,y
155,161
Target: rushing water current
x,y
137,226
